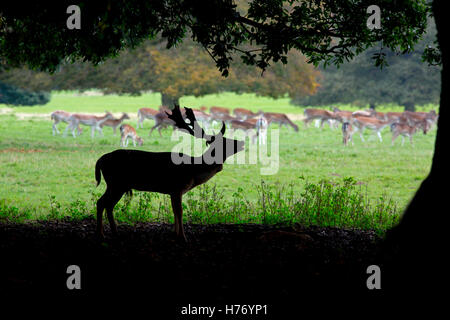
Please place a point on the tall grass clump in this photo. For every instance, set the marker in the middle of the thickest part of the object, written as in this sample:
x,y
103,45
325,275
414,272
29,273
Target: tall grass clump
x,y
326,204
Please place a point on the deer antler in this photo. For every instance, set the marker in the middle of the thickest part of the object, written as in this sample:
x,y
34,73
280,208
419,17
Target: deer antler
x,y
192,127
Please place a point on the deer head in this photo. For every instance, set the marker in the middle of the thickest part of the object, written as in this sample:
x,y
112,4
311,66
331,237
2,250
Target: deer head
x,y
220,148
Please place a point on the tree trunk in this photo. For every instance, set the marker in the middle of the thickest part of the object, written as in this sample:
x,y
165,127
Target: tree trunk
x,y
415,249
169,101
409,106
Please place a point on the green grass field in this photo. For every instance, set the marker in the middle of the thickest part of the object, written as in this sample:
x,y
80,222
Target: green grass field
x,y
36,167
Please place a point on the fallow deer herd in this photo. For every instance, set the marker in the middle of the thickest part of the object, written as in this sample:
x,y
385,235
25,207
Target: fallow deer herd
x,y
404,124
401,123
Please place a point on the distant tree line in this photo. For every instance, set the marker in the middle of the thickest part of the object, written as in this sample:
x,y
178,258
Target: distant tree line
x,y
406,81
184,70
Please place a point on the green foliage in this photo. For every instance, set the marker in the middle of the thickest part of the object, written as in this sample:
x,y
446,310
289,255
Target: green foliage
x,y
406,81
262,32
322,204
9,212
11,95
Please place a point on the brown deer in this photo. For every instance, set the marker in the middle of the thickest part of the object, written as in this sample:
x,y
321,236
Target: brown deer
x,y
161,121
246,126
244,114
280,118
171,173
219,111
126,132
114,123
318,114
347,133
403,129
145,113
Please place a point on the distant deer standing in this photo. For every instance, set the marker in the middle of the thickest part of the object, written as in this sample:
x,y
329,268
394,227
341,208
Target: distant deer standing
x,y
171,173
347,133
114,123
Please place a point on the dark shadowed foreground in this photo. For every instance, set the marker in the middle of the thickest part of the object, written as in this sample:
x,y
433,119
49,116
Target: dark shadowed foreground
x,y
283,267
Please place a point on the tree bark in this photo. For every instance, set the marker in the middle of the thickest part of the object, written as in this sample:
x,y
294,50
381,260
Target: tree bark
x,y
416,249
409,106
169,101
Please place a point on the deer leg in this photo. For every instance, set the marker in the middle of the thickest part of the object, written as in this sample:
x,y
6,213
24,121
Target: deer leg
x,y
114,198
379,136
55,129
178,213
114,131
153,128
100,209
92,132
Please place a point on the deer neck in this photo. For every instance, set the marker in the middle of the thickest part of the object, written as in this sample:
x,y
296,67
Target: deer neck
x,y
103,119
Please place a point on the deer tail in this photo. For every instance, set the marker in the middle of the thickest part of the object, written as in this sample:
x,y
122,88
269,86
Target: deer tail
x,y
393,125
98,174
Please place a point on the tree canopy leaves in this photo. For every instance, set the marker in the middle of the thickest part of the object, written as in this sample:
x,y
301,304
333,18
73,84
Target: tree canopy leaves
x,y
263,31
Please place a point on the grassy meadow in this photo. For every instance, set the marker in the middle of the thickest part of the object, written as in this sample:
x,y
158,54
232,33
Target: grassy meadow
x,y
47,175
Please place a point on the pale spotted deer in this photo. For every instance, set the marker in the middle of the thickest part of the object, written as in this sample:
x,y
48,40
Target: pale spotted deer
x,y
88,120
114,123
127,132
61,116
171,173
372,123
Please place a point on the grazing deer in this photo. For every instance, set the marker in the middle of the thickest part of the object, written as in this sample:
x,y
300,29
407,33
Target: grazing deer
x,y
244,114
114,123
281,119
171,173
61,116
145,113
368,122
318,114
216,111
88,120
126,132
403,129
347,133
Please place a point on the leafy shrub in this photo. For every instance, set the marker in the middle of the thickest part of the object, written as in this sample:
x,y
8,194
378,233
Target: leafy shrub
x,y
16,96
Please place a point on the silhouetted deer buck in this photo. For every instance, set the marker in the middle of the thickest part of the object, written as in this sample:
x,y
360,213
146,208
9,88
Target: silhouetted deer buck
x,y
171,173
